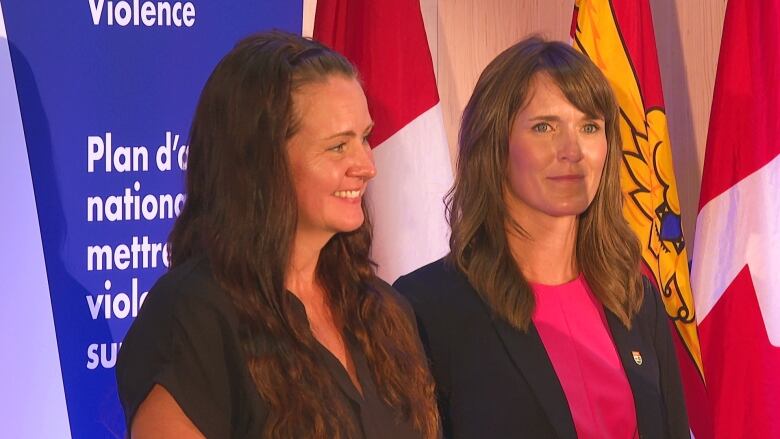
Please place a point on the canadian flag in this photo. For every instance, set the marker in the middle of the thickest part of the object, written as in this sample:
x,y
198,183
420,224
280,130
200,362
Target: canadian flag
x,y
736,259
386,40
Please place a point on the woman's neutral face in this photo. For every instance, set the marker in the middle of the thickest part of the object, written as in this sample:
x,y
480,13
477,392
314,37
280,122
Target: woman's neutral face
x,y
556,154
330,157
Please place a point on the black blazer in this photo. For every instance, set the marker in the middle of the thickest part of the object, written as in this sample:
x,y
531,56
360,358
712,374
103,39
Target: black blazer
x,y
494,381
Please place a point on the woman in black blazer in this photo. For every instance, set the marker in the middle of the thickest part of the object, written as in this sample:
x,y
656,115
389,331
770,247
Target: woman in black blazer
x,y
538,323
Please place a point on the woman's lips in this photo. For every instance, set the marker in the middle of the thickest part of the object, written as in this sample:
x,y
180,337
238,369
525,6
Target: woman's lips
x,y
567,177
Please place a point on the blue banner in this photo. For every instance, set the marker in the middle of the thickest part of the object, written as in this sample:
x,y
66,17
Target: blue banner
x,y
107,90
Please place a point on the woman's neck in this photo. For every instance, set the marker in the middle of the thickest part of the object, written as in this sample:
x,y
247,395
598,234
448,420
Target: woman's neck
x,y
301,280
300,277
545,254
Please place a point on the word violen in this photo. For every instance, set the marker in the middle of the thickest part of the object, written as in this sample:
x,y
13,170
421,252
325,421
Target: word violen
x,y
148,13
109,305
116,305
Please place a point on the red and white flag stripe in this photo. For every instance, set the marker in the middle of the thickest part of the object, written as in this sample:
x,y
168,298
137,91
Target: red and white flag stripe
x,y
386,40
736,259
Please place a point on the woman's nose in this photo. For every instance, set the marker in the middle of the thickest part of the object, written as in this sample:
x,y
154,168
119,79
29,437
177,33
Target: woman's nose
x,y
363,164
570,147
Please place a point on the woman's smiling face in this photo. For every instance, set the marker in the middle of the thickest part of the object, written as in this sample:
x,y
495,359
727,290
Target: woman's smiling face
x,y
329,155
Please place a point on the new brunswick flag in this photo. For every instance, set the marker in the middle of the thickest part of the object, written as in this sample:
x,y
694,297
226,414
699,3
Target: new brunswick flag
x,y
618,36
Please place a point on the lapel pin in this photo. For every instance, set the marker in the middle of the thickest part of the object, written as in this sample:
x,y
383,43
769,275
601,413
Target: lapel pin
x,y
637,357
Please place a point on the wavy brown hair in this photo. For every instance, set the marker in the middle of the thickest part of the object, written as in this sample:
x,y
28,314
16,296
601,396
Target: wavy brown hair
x,y
241,212
607,251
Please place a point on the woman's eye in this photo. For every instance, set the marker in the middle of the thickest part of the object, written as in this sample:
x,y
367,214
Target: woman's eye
x,y
542,127
591,128
338,148
365,140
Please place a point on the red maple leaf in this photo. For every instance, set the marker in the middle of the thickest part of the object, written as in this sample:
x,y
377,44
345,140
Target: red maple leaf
x,y
741,366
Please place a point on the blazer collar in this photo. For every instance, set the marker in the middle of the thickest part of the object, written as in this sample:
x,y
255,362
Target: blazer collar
x,y
530,357
628,342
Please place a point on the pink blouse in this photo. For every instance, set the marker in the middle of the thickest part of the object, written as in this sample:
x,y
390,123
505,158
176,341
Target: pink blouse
x,y
571,323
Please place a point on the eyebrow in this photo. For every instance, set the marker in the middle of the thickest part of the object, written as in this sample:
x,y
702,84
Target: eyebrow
x,y
547,118
553,118
351,133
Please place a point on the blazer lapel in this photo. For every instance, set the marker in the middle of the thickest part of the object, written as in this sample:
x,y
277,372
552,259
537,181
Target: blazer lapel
x,y
639,363
530,357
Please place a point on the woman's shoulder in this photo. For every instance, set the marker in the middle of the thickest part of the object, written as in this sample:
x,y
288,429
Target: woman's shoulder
x,y
186,339
190,290
192,278
438,287
652,310
388,291
651,297
186,302
186,298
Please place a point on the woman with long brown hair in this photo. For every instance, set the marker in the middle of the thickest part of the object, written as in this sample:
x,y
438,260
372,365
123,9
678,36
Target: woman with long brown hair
x,y
538,323
271,322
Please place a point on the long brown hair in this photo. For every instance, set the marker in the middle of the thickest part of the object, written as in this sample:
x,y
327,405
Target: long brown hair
x,y
241,212
607,251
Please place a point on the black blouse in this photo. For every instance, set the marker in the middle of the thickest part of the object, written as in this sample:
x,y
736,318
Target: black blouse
x,y
186,339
